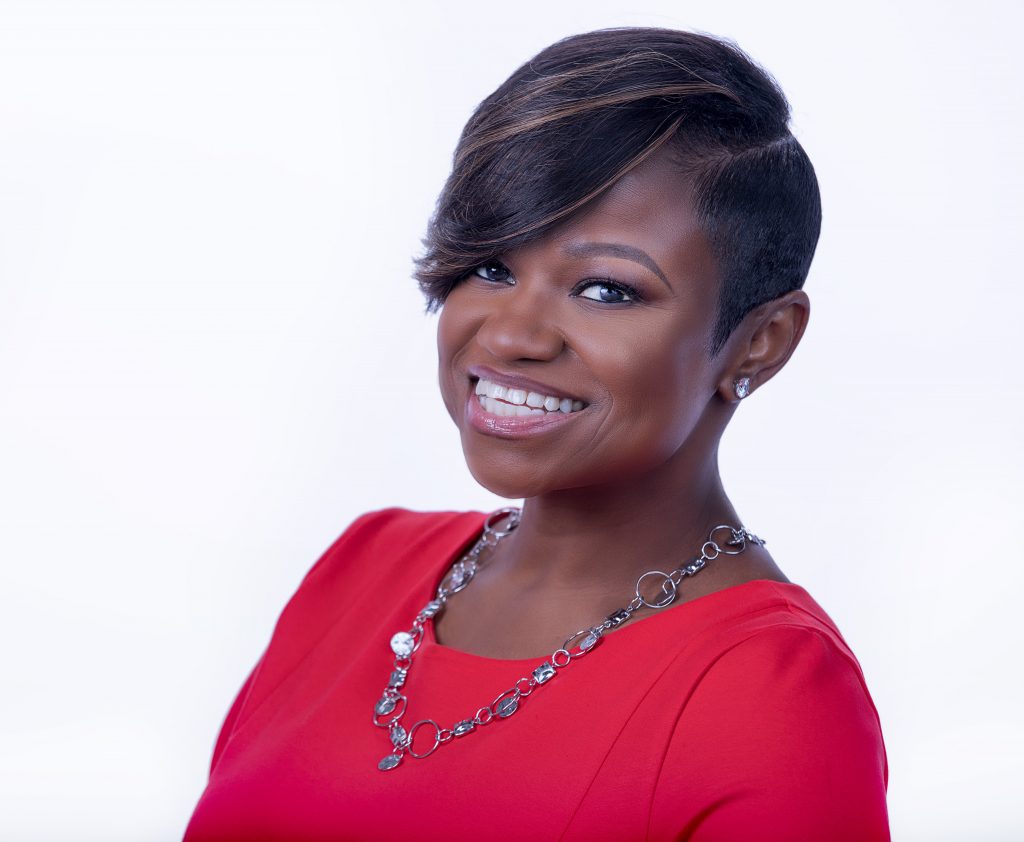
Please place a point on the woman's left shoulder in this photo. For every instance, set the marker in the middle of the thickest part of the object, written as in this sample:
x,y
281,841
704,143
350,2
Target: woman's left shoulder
x,y
781,634
781,721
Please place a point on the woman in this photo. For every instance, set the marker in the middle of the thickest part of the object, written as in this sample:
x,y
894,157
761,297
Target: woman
x,y
619,253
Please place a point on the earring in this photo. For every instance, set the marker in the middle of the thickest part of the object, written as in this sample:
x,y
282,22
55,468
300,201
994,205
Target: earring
x,y
741,386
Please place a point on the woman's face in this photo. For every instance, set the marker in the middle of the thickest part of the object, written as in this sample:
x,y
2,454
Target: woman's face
x,y
609,318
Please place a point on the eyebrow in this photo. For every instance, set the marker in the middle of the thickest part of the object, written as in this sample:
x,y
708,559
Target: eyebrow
x,y
616,250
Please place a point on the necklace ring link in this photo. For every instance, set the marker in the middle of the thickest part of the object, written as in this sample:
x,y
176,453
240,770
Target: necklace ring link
x,y
412,736
495,517
668,588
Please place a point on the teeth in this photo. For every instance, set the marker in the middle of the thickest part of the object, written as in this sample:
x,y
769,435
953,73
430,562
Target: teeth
x,y
508,401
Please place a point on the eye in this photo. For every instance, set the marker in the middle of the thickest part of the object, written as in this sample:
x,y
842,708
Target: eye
x,y
607,292
494,271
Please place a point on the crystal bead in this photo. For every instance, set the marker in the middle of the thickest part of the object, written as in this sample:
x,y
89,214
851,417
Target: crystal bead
x,y
398,735
617,618
507,706
431,608
402,644
385,705
397,678
543,673
589,642
464,727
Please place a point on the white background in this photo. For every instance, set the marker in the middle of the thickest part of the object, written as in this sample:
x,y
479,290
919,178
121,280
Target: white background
x,y
212,358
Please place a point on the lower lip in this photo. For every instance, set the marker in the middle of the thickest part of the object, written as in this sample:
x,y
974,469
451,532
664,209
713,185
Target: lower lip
x,y
514,426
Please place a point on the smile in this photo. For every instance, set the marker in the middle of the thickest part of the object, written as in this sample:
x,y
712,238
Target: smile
x,y
506,401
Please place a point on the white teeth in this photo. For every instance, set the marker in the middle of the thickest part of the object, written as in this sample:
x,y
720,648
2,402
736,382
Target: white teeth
x,y
509,401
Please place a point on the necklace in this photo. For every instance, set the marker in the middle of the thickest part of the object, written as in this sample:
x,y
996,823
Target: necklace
x,y
391,707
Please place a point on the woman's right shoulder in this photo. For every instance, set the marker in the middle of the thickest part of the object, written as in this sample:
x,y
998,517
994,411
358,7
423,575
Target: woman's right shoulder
x,y
381,538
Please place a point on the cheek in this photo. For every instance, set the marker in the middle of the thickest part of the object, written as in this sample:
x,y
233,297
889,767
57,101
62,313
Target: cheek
x,y
455,329
656,396
455,324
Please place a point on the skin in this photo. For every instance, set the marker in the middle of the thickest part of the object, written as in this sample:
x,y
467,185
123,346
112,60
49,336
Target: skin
x,y
631,483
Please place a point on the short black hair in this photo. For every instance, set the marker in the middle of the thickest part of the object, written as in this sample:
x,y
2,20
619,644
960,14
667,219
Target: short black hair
x,y
564,127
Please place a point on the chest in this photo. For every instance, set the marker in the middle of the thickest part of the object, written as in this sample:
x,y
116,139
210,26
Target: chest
x,y
581,752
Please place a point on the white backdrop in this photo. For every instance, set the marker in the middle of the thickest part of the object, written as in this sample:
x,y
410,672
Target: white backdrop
x,y
212,358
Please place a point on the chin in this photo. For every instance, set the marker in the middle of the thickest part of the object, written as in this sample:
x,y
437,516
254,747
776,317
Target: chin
x,y
508,484
514,480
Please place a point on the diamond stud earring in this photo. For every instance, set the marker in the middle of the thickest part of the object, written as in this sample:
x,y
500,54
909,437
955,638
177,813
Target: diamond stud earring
x,y
742,387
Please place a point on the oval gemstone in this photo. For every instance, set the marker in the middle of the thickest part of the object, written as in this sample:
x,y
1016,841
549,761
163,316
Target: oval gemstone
x,y
389,762
507,706
384,706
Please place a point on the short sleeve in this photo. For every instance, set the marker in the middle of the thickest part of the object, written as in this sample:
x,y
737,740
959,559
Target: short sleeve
x,y
779,741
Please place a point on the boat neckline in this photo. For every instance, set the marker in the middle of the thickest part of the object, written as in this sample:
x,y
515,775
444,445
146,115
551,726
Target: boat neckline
x,y
431,642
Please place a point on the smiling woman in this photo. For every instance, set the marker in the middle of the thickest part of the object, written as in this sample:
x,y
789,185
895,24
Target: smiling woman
x,y
618,260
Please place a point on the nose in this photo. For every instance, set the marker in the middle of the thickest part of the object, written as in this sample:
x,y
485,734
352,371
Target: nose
x,y
520,326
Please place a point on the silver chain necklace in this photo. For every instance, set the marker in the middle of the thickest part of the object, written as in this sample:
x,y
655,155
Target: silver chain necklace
x,y
391,707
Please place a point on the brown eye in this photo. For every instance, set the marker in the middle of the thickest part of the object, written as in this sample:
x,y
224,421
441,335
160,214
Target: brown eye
x,y
493,270
607,293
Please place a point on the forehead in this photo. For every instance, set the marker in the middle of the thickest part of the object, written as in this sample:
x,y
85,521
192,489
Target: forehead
x,y
651,208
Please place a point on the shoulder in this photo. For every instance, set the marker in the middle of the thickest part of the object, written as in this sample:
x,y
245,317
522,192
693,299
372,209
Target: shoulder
x,y
781,732
363,559
363,556
777,631
387,534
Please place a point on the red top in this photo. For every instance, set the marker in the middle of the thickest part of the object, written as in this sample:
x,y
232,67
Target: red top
x,y
738,715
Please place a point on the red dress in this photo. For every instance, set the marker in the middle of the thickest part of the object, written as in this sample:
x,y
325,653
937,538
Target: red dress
x,y
741,715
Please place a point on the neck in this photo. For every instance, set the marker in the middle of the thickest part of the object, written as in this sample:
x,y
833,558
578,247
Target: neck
x,y
603,537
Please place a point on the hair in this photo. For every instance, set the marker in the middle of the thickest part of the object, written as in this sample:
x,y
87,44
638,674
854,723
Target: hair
x,y
568,124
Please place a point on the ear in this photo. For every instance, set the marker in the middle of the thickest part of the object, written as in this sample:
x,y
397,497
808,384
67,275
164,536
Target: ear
x,y
763,342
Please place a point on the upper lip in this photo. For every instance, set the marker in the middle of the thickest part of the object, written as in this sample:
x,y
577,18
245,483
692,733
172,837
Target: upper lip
x,y
517,381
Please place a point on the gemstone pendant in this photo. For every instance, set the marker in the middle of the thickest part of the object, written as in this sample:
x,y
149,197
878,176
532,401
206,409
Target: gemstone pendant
x,y
389,762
